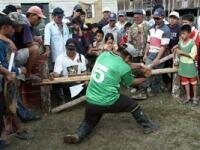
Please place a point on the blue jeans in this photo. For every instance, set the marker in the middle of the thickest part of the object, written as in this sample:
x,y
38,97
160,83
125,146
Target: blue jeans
x,y
23,113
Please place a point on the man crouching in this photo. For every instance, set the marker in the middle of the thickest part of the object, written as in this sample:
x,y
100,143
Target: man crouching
x,y
110,71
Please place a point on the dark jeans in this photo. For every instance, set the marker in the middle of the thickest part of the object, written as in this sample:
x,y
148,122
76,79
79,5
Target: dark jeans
x,y
93,113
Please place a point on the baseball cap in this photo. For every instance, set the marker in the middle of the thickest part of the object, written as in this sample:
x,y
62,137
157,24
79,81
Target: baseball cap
x,y
36,10
17,18
138,11
58,12
106,9
174,13
129,48
77,7
159,12
113,17
70,44
121,13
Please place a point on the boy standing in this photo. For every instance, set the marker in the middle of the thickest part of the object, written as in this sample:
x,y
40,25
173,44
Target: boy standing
x,y
187,71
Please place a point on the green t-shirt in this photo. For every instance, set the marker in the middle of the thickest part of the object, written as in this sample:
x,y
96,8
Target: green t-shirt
x,y
109,71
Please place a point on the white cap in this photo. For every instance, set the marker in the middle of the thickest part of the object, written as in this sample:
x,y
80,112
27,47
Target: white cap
x,y
106,9
130,49
174,13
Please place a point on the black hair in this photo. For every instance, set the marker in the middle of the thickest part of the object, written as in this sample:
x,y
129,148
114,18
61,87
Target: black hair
x,y
188,17
122,49
107,36
94,25
5,20
83,12
127,25
71,44
9,8
186,28
76,20
100,32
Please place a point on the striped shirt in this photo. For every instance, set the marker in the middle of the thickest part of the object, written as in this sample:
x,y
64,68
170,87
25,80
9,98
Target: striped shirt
x,y
158,37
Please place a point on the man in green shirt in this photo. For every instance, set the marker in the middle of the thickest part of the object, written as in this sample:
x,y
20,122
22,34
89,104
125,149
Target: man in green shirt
x,y
110,71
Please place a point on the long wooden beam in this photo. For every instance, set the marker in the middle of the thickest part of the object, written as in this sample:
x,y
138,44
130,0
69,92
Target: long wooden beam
x,y
68,105
87,77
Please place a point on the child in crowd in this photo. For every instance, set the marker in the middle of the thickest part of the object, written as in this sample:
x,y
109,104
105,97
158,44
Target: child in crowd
x,y
96,48
109,43
187,70
124,33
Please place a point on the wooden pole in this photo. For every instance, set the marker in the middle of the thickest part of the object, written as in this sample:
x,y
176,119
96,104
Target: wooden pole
x,y
163,71
87,77
68,105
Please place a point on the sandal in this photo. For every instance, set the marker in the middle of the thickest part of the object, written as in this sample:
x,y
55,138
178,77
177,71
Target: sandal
x,y
23,135
195,102
186,101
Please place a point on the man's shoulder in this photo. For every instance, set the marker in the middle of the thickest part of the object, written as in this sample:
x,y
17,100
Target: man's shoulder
x,y
165,28
3,43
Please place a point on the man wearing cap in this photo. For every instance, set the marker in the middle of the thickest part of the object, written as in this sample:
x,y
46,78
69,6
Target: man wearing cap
x,y
56,35
157,41
110,71
174,27
138,35
105,20
112,28
121,19
68,63
76,12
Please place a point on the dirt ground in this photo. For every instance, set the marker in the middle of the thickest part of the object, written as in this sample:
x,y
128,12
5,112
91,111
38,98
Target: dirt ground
x,y
179,129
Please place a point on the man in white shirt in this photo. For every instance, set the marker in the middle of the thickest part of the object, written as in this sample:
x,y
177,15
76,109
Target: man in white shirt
x,y
69,63
55,35
112,28
121,19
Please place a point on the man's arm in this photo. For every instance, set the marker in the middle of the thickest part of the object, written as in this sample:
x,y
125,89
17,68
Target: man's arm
x,y
10,42
47,40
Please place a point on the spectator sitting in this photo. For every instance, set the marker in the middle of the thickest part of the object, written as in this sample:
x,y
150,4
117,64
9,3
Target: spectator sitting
x,y
67,64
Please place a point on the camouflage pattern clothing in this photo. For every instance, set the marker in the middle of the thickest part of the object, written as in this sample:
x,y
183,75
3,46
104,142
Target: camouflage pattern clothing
x,y
138,37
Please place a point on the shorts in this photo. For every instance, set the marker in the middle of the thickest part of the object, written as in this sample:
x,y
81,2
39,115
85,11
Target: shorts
x,y
186,81
21,57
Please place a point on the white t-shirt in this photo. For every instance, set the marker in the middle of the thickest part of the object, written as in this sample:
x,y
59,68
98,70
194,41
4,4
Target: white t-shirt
x,y
66,66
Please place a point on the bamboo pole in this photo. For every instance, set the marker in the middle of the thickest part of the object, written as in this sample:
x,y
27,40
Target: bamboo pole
x,y
68,105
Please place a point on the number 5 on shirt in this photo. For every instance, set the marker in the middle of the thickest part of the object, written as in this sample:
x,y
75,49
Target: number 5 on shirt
x,y
98,74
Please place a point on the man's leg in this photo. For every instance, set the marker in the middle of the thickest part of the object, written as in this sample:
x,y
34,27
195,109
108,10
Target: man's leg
x,y
33,58
93,114
126,104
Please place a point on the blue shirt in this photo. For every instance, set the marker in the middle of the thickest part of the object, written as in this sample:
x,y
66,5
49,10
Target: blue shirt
x,y
3,56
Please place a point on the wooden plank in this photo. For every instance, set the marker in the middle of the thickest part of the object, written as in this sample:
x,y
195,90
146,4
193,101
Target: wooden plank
x,y
64,80
87,77
68,105
163,71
